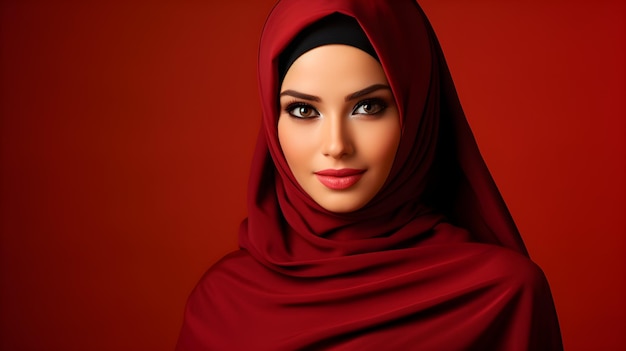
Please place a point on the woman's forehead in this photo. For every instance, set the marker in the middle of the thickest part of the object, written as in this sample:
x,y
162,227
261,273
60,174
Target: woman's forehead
x,y
334,66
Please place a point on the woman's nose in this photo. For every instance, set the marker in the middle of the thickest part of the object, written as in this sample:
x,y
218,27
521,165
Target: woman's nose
x,y
337,141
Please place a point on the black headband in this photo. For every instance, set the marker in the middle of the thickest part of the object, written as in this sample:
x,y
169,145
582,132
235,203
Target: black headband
x,y
333,29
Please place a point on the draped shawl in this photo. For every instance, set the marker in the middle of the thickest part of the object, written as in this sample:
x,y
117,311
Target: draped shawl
x,y
433,262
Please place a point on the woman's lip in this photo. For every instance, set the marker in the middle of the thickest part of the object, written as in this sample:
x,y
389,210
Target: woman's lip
x,y
344,172
339,179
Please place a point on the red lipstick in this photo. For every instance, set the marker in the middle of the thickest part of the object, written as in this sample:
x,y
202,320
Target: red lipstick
x,y
339,179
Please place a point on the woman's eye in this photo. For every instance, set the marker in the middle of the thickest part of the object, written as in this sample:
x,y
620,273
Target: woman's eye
x,y
369,107
302,111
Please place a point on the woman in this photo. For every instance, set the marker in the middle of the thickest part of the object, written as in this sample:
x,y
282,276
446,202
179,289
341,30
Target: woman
x,y
373,222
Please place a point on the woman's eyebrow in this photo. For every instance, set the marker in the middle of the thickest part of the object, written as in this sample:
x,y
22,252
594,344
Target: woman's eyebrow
x,y
370,89
301,95
355,95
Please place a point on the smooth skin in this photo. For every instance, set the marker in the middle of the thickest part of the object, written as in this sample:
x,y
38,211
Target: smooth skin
x,y
338,112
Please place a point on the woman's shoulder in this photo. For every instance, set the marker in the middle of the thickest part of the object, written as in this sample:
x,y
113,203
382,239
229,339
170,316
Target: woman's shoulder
x,y
210,303
230,272
234,263
504,266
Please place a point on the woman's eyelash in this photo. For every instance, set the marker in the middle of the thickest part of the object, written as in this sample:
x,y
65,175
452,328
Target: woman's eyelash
x,y
372,106
300,109
293,104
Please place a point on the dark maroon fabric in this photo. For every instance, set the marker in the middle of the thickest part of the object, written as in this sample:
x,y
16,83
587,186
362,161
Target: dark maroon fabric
x,y
433,262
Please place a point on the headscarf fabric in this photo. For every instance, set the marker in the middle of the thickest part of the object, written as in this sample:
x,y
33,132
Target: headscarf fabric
x,y
333,29
433,262
437,171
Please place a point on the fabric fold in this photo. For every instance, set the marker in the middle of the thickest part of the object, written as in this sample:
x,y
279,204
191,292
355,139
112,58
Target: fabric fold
x,y
433,262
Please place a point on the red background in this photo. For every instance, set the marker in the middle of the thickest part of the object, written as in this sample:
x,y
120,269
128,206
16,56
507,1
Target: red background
x,y
127,130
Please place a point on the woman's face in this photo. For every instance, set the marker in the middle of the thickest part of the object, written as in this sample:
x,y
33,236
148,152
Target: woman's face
x,y
339,126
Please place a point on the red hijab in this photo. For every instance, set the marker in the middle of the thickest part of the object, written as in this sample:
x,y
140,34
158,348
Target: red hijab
x,y
433,262
434,130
